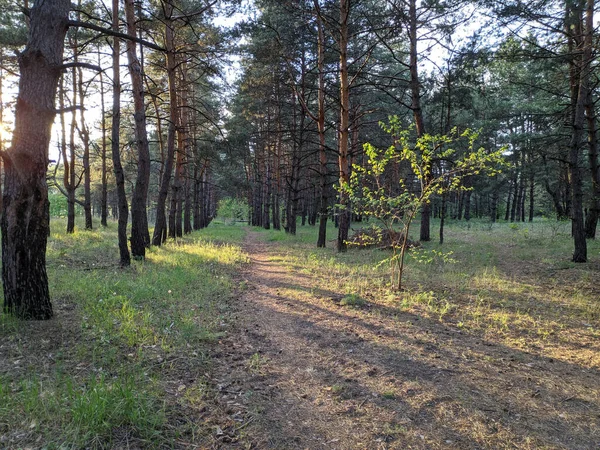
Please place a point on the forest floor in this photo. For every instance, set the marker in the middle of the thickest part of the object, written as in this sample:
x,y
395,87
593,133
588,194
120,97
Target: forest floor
x,y
242,338
306,366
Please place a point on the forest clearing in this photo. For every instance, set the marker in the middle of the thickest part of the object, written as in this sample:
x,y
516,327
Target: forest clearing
x,y
234,337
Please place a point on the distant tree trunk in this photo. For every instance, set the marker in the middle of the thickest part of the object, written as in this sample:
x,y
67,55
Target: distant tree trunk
x,y
125,258
187,207
467,202
160,226
344,169
72,185
68,180
177,188
104,181
266,222
84,134
531,194
324,201
25,218
197,196
443,217
508,202
579,86
494,205
140,237
590,114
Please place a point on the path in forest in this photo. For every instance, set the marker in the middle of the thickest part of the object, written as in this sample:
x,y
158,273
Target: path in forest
x,y
279,364
297,370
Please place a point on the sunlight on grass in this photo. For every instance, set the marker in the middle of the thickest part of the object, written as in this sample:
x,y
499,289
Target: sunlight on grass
x,y
131,321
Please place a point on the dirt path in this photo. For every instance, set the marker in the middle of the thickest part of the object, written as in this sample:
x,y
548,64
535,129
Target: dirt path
x,y
300,371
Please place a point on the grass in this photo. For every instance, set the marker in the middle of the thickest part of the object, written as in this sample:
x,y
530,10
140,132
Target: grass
x,y
100,371
493,343
124,359
513,282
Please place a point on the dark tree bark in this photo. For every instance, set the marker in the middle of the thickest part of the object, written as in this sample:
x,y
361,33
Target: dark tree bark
x,y
140,237
25,219
591,222
104,180
344,168
324,200
579,85
123,208
160,226
415,88
443,217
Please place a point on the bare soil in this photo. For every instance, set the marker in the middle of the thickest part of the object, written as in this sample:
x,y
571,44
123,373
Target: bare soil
x,y
300,371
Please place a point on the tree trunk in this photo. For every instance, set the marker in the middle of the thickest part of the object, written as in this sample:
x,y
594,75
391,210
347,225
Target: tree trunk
x,y
125,258
104,181
579,86
160,225
415,88
590,114
84,134
25,218
140,237
344,217
324,201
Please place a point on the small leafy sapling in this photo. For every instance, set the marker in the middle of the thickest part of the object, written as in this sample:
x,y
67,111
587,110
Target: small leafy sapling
x,y
438,165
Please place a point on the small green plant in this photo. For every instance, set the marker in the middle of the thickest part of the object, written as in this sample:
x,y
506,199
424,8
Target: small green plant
x,y
353,300
337,389
433,257
389,395
256,363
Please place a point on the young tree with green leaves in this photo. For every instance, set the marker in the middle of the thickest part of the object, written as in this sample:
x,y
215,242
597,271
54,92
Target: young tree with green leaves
x,y
395,204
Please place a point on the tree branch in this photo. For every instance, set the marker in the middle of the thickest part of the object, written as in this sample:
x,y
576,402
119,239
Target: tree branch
x,y
81,64
106,31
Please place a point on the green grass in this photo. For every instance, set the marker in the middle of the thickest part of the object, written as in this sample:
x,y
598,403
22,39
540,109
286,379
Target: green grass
x,y
119,337
106,366
508,281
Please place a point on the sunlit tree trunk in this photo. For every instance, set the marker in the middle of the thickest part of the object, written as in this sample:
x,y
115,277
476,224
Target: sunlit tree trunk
x,y
344,169
25,218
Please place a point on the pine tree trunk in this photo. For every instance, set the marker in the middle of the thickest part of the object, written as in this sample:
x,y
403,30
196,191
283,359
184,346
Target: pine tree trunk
x,y
123,208
344,216
84,134
104,181
160,226
579,84
25,218
140,237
